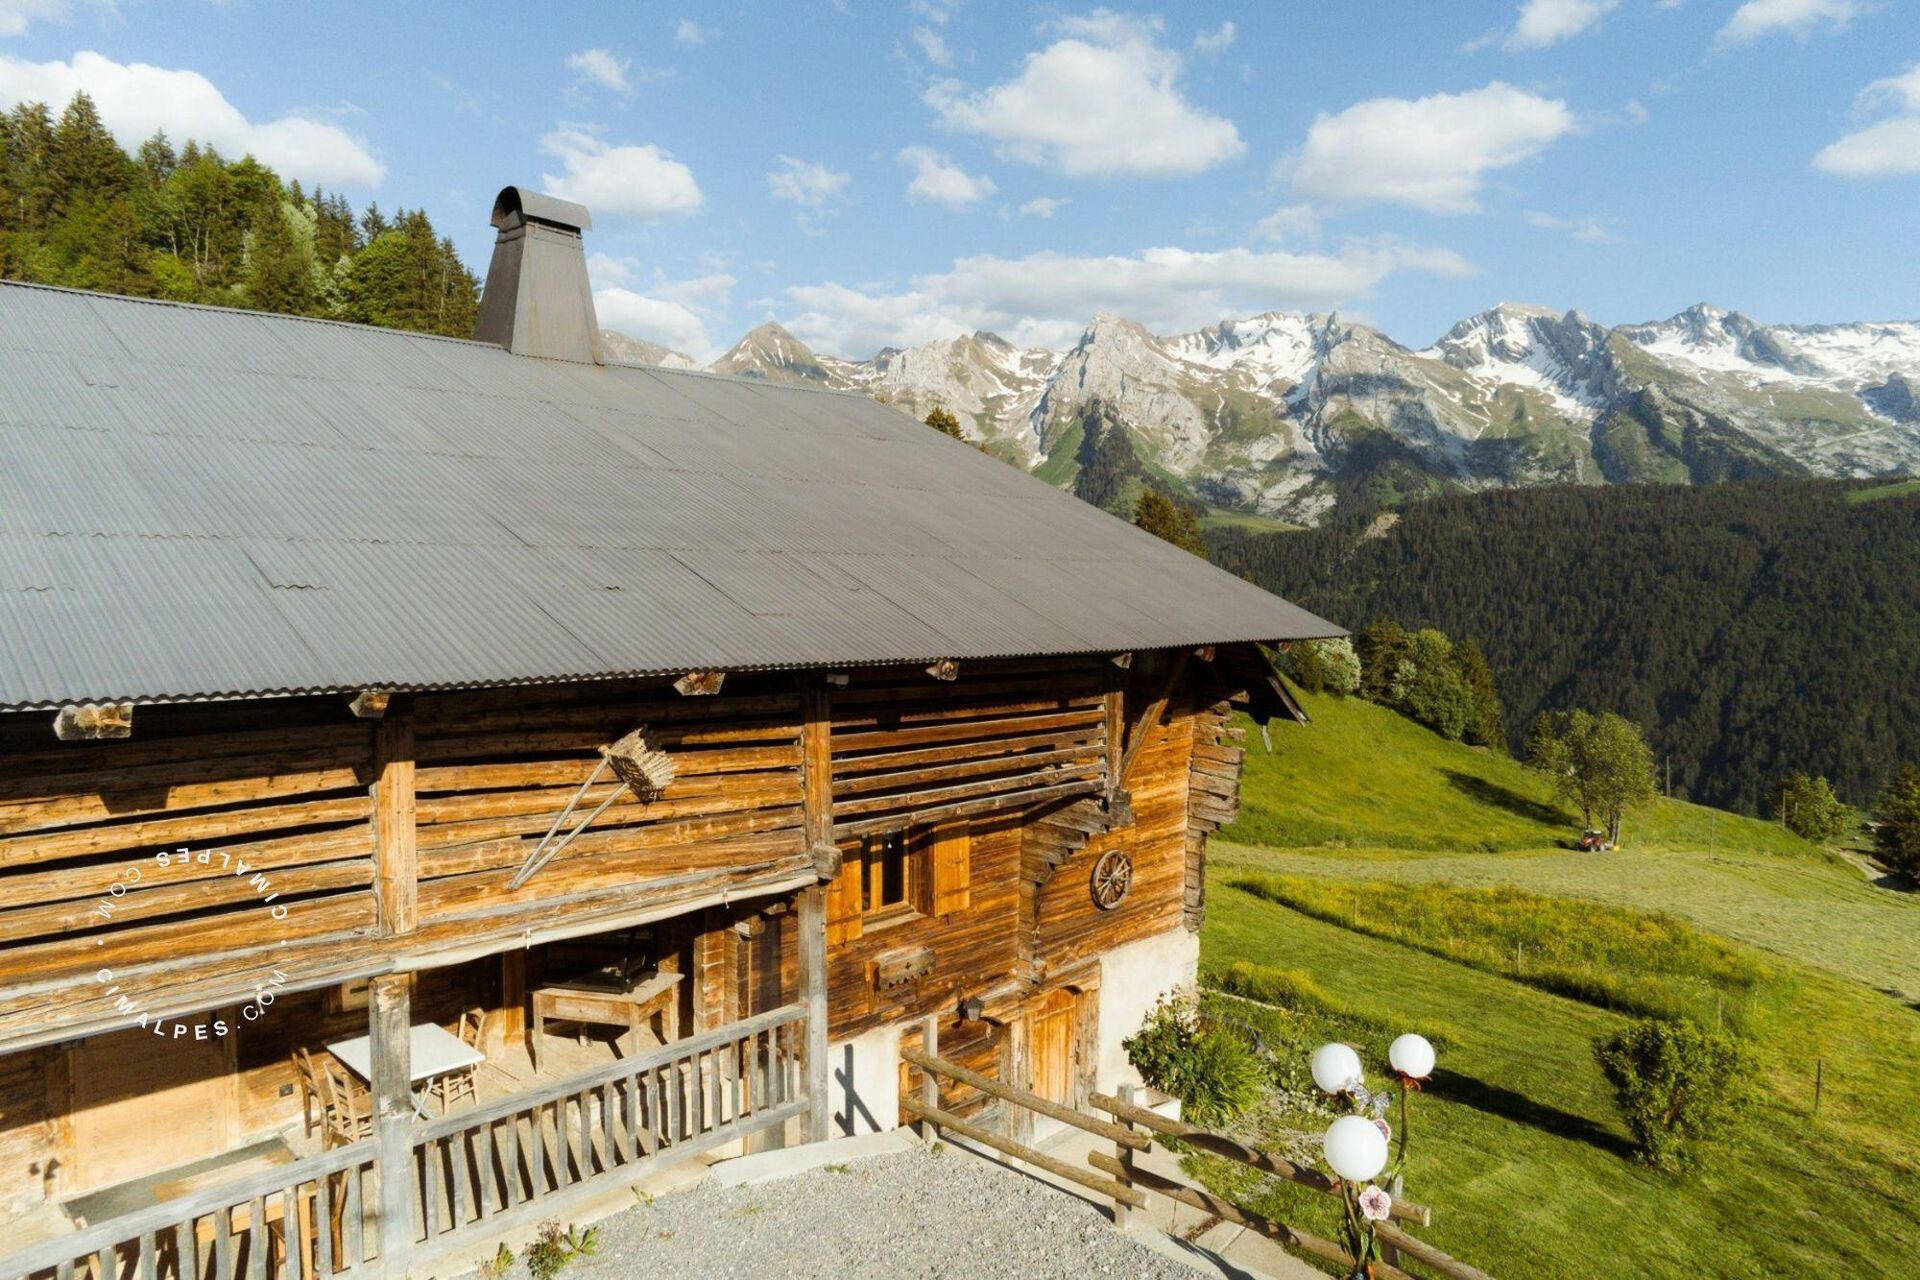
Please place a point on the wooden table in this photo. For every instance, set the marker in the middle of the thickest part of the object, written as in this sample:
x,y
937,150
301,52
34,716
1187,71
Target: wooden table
x,y
654,998
433,1052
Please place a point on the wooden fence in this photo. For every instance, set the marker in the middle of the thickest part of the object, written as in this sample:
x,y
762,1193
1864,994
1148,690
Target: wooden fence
x,y
295,1222
521,1158
1132,1130
473,1173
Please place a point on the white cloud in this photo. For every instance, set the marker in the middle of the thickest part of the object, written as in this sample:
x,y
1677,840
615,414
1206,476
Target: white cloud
x,y
938,180
1041,207
624,181
17,15
135,99
1216,42
1545,22
1431,153
1586,228
932,46
1758,18
1047,298
603,68
809,185
1901,91
1890,148
1289,224
679,314
687,31
1103,100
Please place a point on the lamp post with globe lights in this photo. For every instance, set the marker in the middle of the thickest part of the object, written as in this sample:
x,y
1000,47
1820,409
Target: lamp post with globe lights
x,y
1356,1146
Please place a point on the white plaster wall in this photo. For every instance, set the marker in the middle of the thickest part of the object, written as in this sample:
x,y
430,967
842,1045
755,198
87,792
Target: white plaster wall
x,y
863,1082
1131,979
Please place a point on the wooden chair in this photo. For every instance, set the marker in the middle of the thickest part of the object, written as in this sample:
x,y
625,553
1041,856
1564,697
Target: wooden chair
x,y
464,1083
349,1104
312,1101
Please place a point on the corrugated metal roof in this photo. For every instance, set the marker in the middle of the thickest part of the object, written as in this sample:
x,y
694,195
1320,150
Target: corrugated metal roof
x,y
202,503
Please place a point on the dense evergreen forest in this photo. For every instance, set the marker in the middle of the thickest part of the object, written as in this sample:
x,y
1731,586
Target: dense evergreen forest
x,y
1753,629
192,226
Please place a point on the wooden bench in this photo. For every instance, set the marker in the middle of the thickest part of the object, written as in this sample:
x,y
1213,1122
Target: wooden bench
x,y
653,999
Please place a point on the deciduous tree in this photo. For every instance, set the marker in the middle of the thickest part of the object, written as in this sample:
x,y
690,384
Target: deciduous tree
x,y
1601,764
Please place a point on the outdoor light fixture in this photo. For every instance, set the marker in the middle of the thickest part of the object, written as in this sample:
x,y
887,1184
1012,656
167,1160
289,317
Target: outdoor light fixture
x,y
1411,1056
1355,1147
1336,1068
972,1009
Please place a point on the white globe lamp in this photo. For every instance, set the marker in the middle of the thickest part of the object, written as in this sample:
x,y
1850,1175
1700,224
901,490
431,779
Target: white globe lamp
x,y
1411,1056
1336,1068
1355,1148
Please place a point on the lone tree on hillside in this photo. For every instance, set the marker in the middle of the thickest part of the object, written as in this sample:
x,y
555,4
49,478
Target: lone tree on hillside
x,y
1896,838
1160,516
1602,764
1807,807
943,421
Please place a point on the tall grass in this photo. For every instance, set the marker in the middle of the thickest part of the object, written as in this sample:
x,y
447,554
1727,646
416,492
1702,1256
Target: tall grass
x,y
1628,961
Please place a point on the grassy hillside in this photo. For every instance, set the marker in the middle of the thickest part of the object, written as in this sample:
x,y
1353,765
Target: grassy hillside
x,y
1364,792
1383,879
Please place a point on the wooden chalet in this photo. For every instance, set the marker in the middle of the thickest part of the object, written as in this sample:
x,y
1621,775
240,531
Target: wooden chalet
x,y
439,779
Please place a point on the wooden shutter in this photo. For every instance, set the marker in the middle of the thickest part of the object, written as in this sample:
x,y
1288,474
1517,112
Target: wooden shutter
x,y
949,862
846,897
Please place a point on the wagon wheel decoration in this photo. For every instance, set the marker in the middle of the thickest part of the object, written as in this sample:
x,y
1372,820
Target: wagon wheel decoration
x,y
1112,878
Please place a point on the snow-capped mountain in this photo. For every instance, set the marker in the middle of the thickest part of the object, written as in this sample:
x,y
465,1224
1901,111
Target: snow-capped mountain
x,y
1286,414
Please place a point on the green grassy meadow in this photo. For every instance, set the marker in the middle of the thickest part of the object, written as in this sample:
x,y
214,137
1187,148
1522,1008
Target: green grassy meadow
x,y
1379,880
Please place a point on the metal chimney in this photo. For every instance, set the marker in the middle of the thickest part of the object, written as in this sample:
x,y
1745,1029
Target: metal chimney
x,y
538,301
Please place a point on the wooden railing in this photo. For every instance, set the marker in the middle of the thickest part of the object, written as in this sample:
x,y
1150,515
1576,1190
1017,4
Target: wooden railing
x,y
300,1221
1123,1181
522,1157
471,1173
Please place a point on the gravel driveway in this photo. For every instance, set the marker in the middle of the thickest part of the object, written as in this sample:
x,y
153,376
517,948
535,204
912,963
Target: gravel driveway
x,y
943,1213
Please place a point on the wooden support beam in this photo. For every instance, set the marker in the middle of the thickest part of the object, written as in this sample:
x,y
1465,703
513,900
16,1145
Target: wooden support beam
x,y
396,851
389,1030
1150,714
370,704
699,684
92,721
812,928
816,762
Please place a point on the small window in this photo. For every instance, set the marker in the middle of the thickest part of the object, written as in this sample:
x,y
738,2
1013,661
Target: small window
x,y
890,873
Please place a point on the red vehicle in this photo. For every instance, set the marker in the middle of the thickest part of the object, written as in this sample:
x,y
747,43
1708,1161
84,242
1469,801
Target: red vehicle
x,y
1592,841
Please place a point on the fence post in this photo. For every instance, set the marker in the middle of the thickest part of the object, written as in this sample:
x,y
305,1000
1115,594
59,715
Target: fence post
x,y
929,1082
1390,1252
1124,1154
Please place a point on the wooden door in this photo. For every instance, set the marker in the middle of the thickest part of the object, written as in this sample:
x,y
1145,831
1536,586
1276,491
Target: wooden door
x,y
142,1104
1052,1020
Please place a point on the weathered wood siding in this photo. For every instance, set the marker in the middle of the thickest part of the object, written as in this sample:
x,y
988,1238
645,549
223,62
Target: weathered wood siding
x,y
1070,928
1003,735
291,789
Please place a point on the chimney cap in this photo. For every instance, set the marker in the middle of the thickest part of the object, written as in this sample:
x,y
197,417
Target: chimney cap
x,y
515,205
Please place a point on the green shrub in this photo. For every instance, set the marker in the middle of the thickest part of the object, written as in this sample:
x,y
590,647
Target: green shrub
x,y
1674,1082
1211,1068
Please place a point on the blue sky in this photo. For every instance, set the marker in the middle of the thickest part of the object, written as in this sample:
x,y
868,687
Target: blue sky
x,y
875,172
